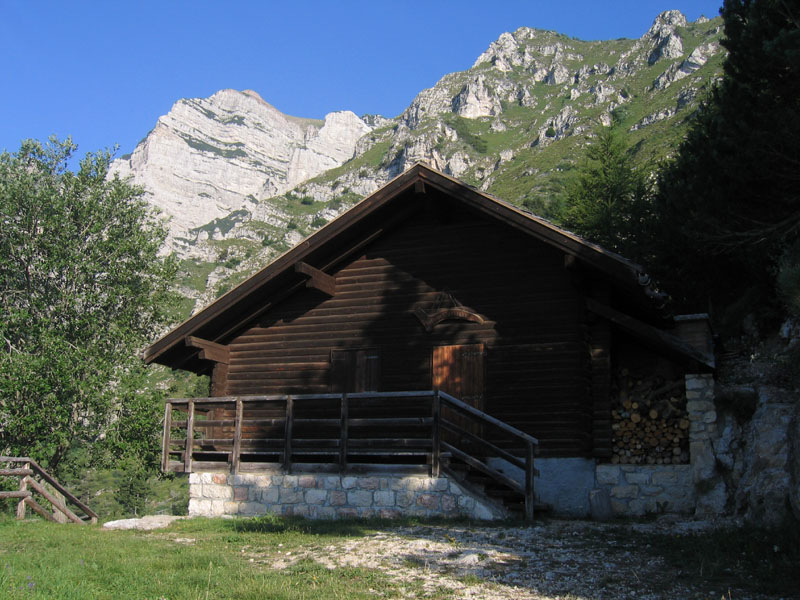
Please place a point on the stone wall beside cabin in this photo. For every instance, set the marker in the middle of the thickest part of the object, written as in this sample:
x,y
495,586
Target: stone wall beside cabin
x,y
322,496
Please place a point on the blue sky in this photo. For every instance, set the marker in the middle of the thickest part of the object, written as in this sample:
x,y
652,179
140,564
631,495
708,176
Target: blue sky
x,y
104,71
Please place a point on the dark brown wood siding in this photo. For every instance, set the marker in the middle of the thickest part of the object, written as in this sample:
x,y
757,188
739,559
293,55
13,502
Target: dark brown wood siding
x,y
535,339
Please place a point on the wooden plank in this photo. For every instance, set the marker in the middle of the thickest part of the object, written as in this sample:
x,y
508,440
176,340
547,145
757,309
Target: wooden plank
x,y
67,494
38,509
672,345
317,279
343,432
237,437
57,504
187,456
287,436
530,471
483,443
15,494
209,350
25,471
436,436
484,468
15,472
489,419
165,436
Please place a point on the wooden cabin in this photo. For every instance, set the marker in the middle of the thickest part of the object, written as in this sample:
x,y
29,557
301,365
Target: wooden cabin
x,y
340,351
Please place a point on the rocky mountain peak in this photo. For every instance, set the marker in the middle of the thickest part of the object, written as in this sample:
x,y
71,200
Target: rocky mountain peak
x,y
212,156
665,37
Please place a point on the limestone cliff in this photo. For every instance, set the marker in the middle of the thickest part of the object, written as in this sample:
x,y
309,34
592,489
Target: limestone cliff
x,y
209,157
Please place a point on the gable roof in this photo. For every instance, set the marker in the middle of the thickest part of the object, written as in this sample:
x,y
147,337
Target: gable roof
x,y
354,230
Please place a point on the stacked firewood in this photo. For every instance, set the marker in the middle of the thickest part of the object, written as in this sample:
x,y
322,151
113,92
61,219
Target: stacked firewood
x,y
649,420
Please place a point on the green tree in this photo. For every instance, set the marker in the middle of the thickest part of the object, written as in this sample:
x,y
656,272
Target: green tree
x,y
608,201
728,204
82,288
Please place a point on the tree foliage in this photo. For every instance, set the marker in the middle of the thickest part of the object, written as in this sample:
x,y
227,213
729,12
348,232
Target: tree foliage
x,y
82,288
608,201
728,204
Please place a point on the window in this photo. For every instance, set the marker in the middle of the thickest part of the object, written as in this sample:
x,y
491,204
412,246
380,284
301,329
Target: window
x,y
355,370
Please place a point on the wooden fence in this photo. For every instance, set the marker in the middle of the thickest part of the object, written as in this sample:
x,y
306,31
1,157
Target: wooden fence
x,y
31,480
356,432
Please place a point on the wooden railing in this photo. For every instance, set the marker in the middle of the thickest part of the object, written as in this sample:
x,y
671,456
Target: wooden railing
x,y
345,432
28,485
335,432
470,443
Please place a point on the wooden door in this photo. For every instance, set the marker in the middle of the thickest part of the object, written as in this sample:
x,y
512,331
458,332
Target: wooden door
x,y
459,371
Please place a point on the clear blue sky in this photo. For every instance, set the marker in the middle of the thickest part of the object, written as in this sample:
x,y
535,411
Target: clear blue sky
x,y
104,71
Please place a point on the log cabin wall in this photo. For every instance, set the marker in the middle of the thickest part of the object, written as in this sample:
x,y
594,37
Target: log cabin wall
x,y
537,374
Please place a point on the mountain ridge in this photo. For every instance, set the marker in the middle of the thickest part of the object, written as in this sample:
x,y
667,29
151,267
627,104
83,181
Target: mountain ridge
x,y
514,124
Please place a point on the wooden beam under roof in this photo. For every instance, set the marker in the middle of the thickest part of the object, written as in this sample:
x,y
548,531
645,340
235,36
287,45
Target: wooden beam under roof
x,y
317,279
673,345
209,350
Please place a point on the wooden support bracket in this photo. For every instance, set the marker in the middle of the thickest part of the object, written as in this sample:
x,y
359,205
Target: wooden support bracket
x,y
209,350
317,279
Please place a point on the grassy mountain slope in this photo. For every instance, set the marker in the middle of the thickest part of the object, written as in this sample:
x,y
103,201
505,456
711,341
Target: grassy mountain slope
x,y
514,125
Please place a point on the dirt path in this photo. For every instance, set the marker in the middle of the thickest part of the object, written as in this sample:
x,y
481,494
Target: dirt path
x,y
557,559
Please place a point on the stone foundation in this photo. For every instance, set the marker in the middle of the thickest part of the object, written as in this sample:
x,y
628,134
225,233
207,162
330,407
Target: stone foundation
x,y
648,489
320,496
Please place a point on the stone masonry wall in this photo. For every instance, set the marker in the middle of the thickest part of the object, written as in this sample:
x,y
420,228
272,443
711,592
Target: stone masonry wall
x,y
636,490
321,496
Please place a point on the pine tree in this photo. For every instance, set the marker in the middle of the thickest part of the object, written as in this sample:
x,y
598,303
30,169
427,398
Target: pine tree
x,y
608,200
728,204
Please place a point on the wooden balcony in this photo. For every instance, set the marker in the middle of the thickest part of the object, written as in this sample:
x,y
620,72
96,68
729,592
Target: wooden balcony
x,y
409,432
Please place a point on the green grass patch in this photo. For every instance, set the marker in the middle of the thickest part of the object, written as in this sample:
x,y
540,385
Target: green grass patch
x,y
197,559
194,273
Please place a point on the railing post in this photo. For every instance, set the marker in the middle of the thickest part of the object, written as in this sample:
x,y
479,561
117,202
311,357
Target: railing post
x,y
529,471
344,434
436,435
165,441
287,447
23,486
237,436
187,456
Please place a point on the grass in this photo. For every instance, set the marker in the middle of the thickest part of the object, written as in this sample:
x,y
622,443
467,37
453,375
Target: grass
x,y
200,558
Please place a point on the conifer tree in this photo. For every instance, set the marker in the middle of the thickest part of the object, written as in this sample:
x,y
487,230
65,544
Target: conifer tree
x,y
729,204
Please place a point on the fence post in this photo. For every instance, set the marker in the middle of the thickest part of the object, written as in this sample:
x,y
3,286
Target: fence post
x,y
165,441
23,486
529,471
187,456
287,447
237,436
344,434
436,435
